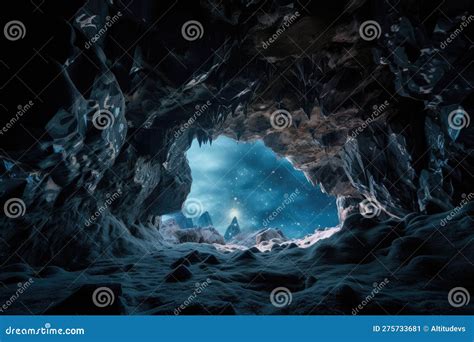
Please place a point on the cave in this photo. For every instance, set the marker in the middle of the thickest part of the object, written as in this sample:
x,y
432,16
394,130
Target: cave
x,y
105,103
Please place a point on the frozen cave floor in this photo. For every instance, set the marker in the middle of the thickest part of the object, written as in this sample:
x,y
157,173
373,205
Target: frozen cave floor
x,y
417,260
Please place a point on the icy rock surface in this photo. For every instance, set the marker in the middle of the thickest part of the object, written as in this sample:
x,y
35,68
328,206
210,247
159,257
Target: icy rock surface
x,y
269,234
332,276
233,229
201,235
205,220
331,81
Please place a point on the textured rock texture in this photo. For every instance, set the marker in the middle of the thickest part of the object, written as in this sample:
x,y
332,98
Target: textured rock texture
x,y
233,229
369,119
412,275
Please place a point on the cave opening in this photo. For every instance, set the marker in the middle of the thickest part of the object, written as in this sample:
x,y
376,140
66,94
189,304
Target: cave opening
x,y
244,187
371,99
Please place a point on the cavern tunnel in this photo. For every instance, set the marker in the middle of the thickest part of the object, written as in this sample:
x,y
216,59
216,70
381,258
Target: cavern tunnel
x,y
237,157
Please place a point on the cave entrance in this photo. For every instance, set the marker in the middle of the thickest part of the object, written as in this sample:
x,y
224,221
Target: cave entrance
x,y
246,186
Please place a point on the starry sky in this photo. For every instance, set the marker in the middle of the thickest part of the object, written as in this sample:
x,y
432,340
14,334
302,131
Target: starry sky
x,y
249,181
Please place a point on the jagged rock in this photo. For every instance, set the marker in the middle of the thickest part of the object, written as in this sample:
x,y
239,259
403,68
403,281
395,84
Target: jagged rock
x,y
180,273
264,239
171,232
181,261
405,155
211,260
195,256
233,229
371,120
246,255
170,224
200,235
205,220
268,235
183,221
321,280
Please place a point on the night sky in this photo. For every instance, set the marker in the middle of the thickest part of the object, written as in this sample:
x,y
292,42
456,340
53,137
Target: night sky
x,y
248,180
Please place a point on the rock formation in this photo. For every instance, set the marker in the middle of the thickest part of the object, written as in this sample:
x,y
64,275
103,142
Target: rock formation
x,y
200,235
368,120
268,235
182,221
233,229
205,220
100,101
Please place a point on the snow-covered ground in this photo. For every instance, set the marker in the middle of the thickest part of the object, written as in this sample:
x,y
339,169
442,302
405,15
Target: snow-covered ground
x,y
405,267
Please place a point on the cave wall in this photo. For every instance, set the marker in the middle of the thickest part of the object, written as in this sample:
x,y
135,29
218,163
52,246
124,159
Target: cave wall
x,y
118,95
